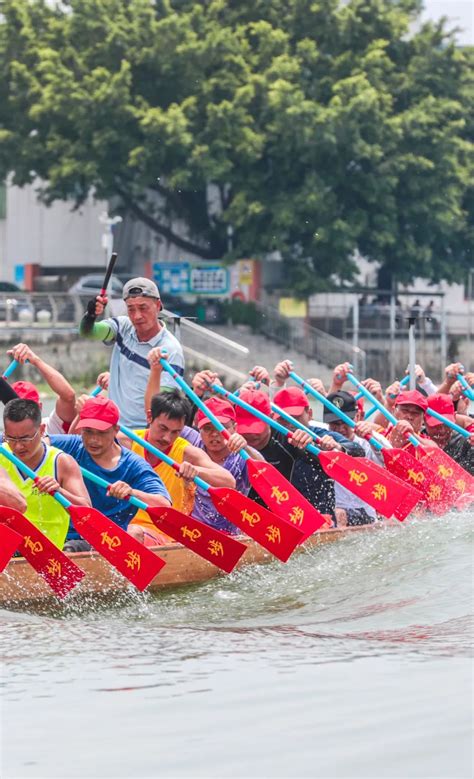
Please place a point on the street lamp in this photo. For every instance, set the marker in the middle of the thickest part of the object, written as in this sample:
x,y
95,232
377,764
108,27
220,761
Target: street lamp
x,y
108,235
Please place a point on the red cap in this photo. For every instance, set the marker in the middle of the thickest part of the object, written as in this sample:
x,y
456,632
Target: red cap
x,y
292,400
412,398
26,390
444,405
98,413
246,422
221,408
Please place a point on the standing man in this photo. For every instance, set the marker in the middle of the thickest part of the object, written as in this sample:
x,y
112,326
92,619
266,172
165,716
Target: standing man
x,y
132,337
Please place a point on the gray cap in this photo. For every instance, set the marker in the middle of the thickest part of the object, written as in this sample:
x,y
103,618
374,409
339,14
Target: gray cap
x,y
140,287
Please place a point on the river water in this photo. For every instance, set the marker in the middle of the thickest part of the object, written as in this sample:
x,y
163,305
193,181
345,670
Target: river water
x,y
352,660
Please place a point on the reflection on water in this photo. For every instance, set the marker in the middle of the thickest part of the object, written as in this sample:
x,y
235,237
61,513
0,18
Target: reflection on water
x,y
351,660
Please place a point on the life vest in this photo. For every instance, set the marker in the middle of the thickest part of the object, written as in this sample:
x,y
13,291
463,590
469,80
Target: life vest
x,y
42,509
181,492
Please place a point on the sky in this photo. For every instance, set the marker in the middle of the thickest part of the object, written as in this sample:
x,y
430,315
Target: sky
x,y
461,12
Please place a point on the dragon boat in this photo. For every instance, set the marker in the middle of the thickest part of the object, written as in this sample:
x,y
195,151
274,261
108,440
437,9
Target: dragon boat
x,y
21,585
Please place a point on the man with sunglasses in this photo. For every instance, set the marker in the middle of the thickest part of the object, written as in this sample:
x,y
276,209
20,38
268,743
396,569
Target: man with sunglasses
x,y
55,470
132,337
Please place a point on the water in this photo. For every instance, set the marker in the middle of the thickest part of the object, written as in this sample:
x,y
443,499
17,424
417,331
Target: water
x,y
353,660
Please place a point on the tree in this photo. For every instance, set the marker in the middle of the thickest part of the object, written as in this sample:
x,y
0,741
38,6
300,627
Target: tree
x,y
311,127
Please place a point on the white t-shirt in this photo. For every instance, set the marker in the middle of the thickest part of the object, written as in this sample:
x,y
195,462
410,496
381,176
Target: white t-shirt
x,y
54,424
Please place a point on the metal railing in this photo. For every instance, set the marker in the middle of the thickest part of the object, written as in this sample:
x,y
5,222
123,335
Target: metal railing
x,y
300,337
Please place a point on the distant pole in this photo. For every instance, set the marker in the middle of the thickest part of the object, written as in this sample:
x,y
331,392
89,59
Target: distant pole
x,y
444,340
355,330
393,312
412,351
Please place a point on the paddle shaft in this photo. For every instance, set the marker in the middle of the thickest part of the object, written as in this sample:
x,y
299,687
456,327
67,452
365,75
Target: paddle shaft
x,y
387,414
108,273
371,411
448,422
32,475
200,404
12,367
331,406
467,389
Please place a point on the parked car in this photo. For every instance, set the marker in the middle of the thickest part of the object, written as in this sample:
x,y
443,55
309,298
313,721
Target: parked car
x,y
14,300
91,285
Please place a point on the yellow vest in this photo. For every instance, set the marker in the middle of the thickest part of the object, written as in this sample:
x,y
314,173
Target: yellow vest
x,y
181,492
42,509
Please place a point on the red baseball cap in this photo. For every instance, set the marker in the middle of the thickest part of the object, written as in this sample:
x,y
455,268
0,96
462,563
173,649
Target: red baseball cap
x,y
292,400
412,398
98,413
246,422
26,390
444,405
221,408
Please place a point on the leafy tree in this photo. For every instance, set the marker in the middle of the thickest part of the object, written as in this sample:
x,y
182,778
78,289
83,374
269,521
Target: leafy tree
x,y
312,127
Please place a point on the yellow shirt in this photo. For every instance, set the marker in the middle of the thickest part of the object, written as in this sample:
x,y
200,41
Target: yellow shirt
x,y
181,492
42,509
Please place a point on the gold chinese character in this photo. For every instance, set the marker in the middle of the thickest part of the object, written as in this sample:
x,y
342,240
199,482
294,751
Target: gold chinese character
x,y
34,546
444,472
415,476
252,519
273,534
360,477
133,559
280,495
380,492
111,541
461,485
215,547
54,567
434,492
297,515
193,534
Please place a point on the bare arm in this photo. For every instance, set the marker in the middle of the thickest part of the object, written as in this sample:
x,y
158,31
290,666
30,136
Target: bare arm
x,y
69,482
9,494
215,474
60,386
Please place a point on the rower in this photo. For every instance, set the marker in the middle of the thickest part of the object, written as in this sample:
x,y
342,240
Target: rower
x,y
132,337
351,510
97,449
169,412
300,467
55,470
453,443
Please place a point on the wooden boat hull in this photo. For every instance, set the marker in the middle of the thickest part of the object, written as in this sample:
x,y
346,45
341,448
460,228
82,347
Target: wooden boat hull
x,y
20,584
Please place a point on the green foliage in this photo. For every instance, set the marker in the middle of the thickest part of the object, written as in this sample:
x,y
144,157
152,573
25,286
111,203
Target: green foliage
x,y
321,128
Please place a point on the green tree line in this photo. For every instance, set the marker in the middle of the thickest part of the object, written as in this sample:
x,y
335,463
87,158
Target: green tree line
x,y
316,128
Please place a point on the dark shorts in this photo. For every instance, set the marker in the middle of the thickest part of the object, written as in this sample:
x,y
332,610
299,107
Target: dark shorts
x,y
77,545
358,517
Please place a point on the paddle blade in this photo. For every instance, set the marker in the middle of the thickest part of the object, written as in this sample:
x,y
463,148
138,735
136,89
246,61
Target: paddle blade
x,y
371,483
10,540
213,545
58,571
133,560
270,531
412,471
457,480
283,499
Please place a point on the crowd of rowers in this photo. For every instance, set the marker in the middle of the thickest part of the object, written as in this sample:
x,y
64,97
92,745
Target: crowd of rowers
x,y
87,432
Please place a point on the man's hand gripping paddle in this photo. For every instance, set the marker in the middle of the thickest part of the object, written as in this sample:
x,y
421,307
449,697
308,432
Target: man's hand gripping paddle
x,y
126,554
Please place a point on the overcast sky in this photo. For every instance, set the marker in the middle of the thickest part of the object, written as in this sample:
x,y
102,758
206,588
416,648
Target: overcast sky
x,y
461,12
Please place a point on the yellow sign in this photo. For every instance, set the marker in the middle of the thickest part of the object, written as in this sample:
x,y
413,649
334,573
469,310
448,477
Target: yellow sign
x,y
273,534
444,472
360,477
111,541
379,492
193,535
297,515
280,495
252,519
54,567
216,548
33,546
434,492
417,477
133,560
291,307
